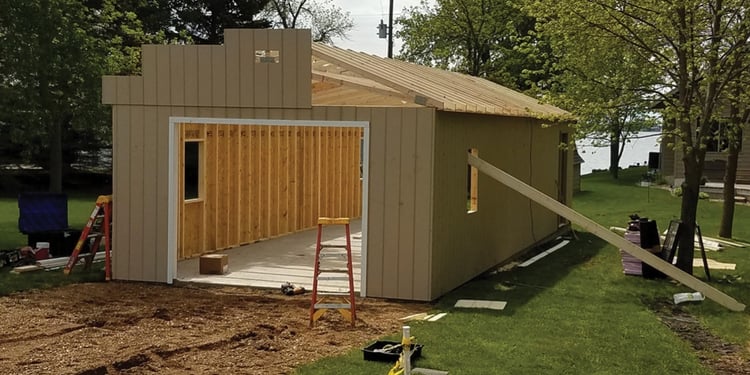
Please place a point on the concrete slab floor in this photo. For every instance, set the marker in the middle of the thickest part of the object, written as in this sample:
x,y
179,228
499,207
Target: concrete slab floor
x,y
290,258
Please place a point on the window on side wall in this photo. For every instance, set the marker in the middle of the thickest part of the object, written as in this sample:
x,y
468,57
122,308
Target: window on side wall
x,y
472,185
192,170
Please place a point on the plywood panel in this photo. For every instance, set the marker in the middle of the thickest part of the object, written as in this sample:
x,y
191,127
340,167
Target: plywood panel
x,y
407,198
136,90
163,81
289,69
275,71
392,196
123,90
423,206
247,72
261,71
376,267
150,189
137,208
205,81
304,73
218,76
121,193
232,50
176,75
190,58
109,89
149,68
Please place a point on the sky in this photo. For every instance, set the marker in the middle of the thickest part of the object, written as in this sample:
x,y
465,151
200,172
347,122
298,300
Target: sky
x,y
366,15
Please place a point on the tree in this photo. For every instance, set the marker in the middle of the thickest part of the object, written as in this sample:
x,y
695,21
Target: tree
x,y
604,84
701,46
327,21
738,119
52,56
204,21
484,38
51,72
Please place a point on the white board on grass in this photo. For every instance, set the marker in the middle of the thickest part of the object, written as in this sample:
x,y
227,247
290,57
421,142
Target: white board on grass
x,y
480,304
544,254
437,317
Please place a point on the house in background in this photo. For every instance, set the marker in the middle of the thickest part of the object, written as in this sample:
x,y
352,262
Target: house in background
x,y
218,146
673,170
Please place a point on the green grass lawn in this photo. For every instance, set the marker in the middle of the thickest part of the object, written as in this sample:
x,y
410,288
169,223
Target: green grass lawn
x,y
574,312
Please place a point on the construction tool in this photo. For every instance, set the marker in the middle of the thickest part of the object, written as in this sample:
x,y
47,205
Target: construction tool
x,y
344,303
97,228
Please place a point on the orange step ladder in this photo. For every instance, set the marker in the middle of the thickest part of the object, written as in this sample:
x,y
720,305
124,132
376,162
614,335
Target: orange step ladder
x,y
343,302
97,228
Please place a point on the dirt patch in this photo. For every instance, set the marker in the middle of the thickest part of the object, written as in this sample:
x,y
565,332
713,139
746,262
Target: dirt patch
x,y
135,328
722,357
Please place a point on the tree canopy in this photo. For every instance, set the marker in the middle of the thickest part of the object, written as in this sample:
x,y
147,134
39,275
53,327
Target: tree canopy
x,y
699,46
485,38
608,87
53,54
326,21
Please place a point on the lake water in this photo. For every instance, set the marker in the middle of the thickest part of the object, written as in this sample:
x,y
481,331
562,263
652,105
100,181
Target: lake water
x,y
635,153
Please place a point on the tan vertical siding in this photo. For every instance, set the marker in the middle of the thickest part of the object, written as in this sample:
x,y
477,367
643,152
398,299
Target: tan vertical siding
x,y
163,79
190,58
218,76
149,67
176,73
401,160
225,81
121,192
466,244
205,85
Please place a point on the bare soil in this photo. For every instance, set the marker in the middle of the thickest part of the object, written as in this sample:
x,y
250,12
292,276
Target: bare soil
x,y
136,328
722,357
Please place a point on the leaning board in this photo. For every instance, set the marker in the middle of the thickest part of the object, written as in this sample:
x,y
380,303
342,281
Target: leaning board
x,y
601,232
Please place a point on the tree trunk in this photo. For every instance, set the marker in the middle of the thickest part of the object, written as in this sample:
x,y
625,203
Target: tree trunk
x,y
614,156
56,154
730,178
689,211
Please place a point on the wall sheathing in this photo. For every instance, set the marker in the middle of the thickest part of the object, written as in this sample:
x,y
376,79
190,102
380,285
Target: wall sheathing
x,y
467,244
401,163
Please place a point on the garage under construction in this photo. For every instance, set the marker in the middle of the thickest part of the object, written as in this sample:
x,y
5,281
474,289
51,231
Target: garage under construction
x,y
220,146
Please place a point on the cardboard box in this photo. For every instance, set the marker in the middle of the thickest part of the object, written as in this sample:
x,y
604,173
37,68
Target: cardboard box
x,y
214,264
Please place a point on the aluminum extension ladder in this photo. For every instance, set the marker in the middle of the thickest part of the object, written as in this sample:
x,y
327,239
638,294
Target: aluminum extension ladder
x,y
343,302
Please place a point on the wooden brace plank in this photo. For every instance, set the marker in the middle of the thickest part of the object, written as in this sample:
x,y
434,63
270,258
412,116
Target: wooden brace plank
x,y
605,234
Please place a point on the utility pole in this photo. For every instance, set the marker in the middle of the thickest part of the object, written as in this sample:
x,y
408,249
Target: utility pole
x,y
390,30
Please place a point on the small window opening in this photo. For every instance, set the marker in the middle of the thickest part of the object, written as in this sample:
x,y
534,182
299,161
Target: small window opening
x,y
267,56
472,185
192,171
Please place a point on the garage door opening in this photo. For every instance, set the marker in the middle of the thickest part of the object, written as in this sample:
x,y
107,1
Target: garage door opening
x,y
254,189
